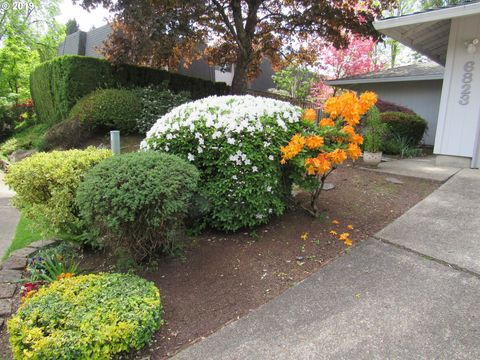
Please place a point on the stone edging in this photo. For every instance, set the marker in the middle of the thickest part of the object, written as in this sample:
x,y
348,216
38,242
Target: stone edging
x,y
11,274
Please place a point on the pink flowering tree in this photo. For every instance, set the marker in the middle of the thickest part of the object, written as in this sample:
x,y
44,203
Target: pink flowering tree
x,y
358,58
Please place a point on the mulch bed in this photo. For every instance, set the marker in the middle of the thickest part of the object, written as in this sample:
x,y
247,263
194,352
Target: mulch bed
x,y
225,276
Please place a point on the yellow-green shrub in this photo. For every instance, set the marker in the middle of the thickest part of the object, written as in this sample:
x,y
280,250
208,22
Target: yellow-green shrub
x,y
91,316
46,184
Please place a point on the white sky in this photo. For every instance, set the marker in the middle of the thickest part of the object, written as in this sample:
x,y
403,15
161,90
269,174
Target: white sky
x,y
84,18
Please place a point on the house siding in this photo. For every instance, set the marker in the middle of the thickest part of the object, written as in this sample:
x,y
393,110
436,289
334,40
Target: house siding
x,y
423,97
459,119
263,81
74,44
95,39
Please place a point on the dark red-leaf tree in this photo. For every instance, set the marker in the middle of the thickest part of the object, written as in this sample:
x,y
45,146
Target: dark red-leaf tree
x,y
167,33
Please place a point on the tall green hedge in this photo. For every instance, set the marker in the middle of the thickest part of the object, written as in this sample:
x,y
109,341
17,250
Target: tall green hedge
x,y
56,85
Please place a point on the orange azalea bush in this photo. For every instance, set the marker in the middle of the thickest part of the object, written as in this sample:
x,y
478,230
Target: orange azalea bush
x,y
319,149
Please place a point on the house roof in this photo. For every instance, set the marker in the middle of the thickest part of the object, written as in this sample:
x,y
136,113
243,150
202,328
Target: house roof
x,y
415,72
427,32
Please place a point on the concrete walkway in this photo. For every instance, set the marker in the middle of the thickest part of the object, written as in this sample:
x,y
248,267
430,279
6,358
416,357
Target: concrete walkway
x,y
421,167
409,293
9,217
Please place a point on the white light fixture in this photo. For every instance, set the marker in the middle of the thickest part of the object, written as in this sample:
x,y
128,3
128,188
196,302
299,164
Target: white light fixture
x,y
471,46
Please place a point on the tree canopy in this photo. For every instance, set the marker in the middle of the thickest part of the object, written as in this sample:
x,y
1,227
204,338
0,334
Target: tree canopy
x,y
28,35
294,81
71,27
242,32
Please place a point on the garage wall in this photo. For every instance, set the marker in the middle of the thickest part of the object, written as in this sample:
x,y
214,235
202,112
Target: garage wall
x,y
423,97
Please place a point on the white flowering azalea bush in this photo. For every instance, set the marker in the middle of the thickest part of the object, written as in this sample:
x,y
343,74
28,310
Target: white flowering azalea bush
x,y
234,141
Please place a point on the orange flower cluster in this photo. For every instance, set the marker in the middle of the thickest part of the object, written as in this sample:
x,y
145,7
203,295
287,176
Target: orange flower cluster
x,y
337,156
295,145
309,115
349,106
354,151
318,165
335,132
64,276
314,142
326,122
28,295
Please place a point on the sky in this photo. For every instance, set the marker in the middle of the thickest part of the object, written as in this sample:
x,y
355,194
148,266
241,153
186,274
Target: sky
x,y
84,18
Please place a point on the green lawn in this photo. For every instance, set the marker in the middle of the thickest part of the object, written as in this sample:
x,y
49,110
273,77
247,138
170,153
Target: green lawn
x,y
24,235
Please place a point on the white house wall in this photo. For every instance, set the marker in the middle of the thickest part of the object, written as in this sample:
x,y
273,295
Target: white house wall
x,y
423,97
458,121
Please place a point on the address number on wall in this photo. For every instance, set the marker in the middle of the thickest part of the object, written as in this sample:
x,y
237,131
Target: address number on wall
x,y
467,79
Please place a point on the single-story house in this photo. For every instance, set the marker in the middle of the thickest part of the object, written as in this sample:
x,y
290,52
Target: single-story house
x,y
90,44
449,36
417,87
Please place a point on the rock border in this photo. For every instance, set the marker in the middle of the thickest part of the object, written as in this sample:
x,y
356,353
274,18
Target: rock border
x,y
11,275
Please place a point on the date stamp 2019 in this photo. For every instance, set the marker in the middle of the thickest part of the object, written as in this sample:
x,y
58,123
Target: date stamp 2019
x,y
16,6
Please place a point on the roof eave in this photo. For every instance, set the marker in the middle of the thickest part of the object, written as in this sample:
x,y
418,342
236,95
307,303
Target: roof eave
x,y
384,80
436,15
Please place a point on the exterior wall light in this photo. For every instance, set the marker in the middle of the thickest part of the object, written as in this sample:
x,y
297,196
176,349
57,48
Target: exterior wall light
x,y
471,46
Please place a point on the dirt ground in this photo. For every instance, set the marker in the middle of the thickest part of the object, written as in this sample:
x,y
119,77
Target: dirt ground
x,y
225,276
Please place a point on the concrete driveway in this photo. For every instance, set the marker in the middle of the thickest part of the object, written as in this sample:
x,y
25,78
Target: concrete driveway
x,y
409,293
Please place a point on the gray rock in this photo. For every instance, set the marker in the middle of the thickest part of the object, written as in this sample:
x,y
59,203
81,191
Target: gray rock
x,y
25,252
328,186
7,290
4,165
42,243
394,180
9,276
14,263
2,321
21,154
5,307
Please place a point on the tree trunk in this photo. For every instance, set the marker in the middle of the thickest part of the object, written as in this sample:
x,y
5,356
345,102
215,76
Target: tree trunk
x,y
239,82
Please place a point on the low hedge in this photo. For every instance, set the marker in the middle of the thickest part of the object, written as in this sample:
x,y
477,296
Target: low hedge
x,y
58,84
93,316
46,184
139,201
109,109
404,125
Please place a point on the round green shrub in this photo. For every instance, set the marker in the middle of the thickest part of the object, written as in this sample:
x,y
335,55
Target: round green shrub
x,y
93,316
403,125
234,141
139,200
112,109
46,183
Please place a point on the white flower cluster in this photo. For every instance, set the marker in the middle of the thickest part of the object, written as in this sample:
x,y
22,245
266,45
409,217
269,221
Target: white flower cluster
x,y
227,115
235,140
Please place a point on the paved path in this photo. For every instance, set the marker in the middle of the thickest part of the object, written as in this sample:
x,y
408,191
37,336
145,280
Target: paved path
x,y
401,295
9,217
422,167
446,225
